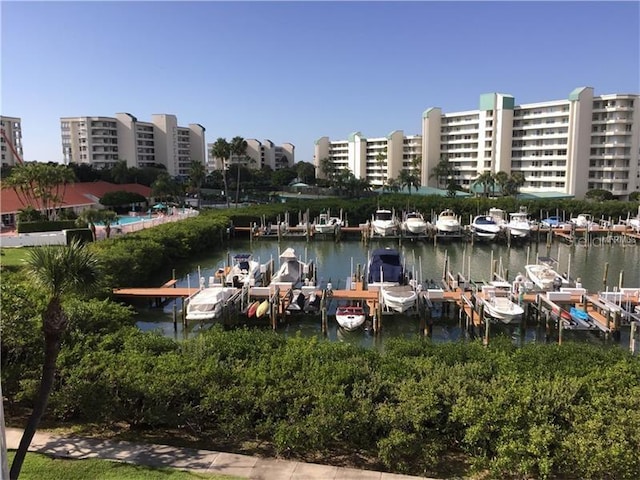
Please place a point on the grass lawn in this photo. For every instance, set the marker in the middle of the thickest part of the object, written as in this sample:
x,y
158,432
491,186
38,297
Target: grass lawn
x,y
37,467
13,257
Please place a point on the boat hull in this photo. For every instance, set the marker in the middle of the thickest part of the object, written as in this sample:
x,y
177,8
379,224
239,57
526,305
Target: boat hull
x,y
503,309
350,318
399,298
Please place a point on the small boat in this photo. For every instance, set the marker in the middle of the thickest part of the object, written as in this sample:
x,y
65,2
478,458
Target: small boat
x,y
485,227
579,316
243,269
498,304
553,221
350,317
292,270
583,220
545,277
519,225
414,223
384,223
399,298
207,303
251,311
448,222
262,309
327,223
385,267
304,300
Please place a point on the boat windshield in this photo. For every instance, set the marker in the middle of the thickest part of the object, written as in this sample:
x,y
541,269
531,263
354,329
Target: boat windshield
x,y
384,215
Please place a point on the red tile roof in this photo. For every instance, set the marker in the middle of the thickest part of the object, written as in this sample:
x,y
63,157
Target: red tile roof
x,y
84,194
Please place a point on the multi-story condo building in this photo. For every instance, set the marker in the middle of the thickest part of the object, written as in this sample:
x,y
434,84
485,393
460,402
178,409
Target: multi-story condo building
x,y
104,141
258,155
566,146
376,159
10,141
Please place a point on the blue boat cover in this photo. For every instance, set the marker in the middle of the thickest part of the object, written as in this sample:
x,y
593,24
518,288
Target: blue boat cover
x,y
389,260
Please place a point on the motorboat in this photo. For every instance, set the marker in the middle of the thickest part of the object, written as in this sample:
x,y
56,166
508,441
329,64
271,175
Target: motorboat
x,y
485,227
243,269
350,317
519,225
384,223
545,277
583,220
579,316
414,223
385,267
448,222
207,303
498,304
399,298
327,223
553,221
292,271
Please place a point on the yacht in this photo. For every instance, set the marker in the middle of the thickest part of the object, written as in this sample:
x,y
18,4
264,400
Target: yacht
x,y
448,222
485,227
327,223
208,302
292,271
386,272
384,223
414,223
244,269
519,225
496,298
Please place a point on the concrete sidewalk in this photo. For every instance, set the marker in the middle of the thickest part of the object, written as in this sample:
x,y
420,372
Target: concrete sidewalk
x,y
201,461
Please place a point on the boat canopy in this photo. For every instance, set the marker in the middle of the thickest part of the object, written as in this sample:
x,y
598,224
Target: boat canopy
x,y
385,265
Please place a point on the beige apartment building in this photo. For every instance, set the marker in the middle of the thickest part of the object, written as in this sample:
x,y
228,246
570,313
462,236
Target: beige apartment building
x,y
104,141
565,146
11,141
258,155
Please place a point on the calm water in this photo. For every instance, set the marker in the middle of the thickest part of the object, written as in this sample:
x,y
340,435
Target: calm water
x,y
335,262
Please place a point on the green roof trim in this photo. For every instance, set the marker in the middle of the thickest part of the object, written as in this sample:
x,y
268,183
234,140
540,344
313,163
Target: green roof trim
x,y
548,195
487,101
508,102
427,112
352,137
428,191
575,94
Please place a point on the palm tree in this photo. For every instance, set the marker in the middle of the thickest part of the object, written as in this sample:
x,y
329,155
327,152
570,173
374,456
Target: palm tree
x,y
487,180
60,271
197,174
381,162
222,149
405,180
442,171
502,179
238,150
91,216
327,169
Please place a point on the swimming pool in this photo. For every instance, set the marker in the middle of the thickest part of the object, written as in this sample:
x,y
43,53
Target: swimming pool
x,y
125,220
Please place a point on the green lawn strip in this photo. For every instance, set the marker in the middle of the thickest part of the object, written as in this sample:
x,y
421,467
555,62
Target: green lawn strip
x,y
38,466
13,257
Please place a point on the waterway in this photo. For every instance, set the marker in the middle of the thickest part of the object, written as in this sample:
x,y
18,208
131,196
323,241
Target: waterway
x,y
599,265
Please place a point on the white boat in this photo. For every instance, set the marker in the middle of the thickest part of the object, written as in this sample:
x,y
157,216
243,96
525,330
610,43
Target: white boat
x,y
583,221
448,222
485,227
414,223
292,271
399,298
304,300
519,225
384,223
243,269
545,277
327,223
207,303
350,317
498,304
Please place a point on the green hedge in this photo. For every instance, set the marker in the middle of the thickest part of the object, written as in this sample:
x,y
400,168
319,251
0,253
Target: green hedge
x,y
46,226
532,412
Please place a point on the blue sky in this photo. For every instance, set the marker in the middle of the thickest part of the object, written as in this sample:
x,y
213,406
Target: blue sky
x,y
297,71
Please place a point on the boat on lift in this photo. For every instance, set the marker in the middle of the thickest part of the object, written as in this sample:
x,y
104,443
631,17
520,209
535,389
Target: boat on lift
x,y
350,317
485,227
384,223
498,304
448,222
414,223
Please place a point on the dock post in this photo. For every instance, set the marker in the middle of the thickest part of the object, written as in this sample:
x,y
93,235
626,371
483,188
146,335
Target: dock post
x,y
487,323
560,329
616,325
604,277
323,310
635,326
175,317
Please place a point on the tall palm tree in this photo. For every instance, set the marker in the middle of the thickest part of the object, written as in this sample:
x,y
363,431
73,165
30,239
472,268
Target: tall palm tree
x,y
60,271
238,150
443,171
222,149
487,180
91,216
502,179
197,174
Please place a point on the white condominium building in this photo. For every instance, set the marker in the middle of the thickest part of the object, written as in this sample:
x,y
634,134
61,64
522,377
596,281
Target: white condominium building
x,y
376,159
258,155
11,141
104,141
566,146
